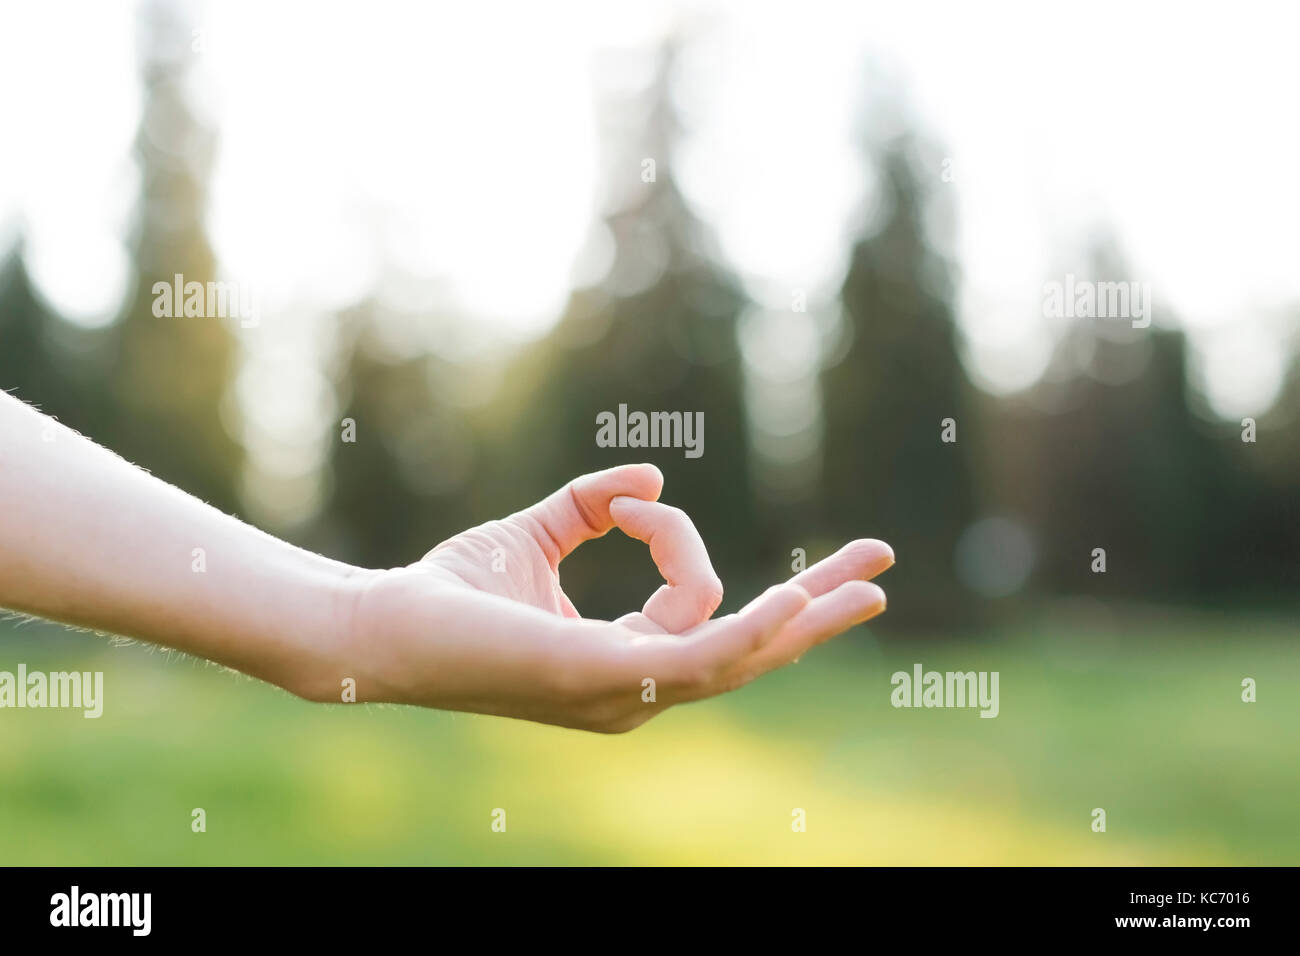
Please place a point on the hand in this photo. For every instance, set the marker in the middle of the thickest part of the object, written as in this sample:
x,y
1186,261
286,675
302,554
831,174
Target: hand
x,y
481,623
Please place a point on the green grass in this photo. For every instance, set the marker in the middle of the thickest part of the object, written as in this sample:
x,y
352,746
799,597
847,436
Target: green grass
x,y
1143,719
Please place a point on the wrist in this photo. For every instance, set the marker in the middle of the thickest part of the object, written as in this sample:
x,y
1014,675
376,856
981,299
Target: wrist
x,y
330,644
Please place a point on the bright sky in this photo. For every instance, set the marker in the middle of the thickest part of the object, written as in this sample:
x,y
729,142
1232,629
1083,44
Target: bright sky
x,y
457,142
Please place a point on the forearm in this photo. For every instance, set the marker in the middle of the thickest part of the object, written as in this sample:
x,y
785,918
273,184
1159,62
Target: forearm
x,y
479,624
90,540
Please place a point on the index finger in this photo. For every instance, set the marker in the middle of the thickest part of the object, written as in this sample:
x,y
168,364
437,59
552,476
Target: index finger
x,y
693,590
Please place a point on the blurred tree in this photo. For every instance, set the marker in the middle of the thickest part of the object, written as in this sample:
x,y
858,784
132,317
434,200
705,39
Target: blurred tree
x,y
1115,464
168,383
1251,506
656,334
400,476
38,353
1106,452
1264,535
150,388
887,472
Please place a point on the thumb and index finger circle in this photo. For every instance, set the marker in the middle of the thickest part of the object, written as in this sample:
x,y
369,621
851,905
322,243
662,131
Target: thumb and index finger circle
x,y
627,497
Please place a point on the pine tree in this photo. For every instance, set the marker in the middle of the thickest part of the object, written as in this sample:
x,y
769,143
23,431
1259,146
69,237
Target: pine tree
x,y
168,381
888,472
152,389
657,334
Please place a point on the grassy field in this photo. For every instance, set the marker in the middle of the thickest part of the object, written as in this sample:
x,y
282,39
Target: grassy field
x,y
1144,720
